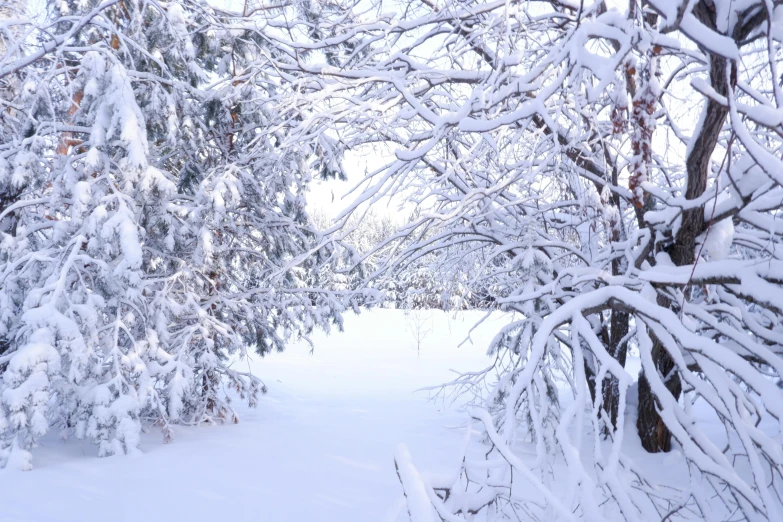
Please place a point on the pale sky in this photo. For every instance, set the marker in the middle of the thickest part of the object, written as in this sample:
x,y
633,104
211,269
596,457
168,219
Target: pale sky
x,y
332,196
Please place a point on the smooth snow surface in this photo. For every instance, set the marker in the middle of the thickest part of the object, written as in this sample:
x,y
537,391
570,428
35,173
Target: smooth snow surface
x,y
319,447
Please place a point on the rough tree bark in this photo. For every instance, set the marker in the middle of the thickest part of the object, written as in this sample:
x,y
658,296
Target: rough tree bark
x,y
653,432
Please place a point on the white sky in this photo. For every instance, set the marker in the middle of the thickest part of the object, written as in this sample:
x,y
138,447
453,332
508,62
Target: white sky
x,y
332,196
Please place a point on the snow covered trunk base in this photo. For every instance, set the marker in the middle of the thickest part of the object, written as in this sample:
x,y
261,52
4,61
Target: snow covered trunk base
x,y
724,457
499,483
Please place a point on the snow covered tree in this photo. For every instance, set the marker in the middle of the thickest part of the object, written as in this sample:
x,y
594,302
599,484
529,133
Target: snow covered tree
x,y
153,225
617,170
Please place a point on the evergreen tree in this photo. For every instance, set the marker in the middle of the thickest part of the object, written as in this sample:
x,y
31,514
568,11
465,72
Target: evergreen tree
x,y
153,225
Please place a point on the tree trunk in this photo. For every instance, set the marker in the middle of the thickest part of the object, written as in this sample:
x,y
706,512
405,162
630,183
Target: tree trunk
x,y
619,350
615,340
653,432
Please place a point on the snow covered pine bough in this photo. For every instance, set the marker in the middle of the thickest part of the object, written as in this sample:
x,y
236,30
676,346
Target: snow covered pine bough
x,y
152,228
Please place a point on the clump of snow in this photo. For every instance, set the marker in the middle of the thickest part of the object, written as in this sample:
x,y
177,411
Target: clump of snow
x,y
718,239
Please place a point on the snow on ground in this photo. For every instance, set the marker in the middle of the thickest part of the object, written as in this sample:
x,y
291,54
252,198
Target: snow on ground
x,y
319,447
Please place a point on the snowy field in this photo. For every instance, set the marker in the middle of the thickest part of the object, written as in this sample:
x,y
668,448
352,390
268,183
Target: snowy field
x,y
319,447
